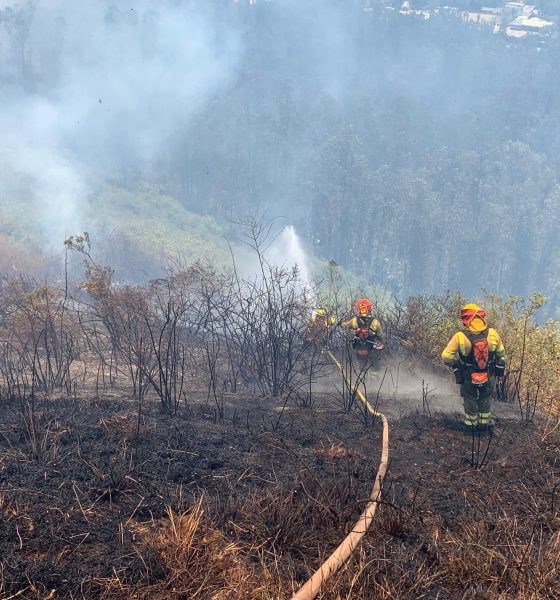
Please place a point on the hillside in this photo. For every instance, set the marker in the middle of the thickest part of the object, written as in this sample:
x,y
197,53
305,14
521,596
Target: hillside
x,y
187,439
198,200
158,223
389,140
243,500
136,231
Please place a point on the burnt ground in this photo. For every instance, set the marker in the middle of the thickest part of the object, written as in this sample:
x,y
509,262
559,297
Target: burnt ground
x,y
398,390
461,516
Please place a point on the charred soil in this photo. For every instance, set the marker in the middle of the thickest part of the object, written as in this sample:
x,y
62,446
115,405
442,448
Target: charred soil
x,y
244,500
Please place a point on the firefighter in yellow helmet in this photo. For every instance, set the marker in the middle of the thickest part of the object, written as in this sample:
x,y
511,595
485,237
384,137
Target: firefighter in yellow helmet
x,y
319,328
366,327
476,355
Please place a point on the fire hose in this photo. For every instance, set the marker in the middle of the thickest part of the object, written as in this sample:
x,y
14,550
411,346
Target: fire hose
x,y
343,551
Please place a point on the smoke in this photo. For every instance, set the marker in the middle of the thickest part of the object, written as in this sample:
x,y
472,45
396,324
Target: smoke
x,y
90,88
400,387
319,110
36,170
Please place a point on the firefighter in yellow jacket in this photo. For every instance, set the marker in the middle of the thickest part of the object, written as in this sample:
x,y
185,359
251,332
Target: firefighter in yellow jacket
x,y
366,327
319,328
476,355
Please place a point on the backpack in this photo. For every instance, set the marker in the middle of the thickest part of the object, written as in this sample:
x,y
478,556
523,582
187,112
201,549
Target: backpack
x,y
362,330
480,358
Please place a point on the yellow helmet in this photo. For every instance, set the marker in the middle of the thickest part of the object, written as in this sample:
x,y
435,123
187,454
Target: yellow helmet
x,y
318,314
471,307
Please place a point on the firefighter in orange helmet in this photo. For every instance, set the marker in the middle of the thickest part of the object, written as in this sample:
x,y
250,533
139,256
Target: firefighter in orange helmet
x,y
365,325
477,355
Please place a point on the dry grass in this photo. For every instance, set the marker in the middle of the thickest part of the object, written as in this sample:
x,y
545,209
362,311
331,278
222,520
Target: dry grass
x,y
185,557
405,557
333,452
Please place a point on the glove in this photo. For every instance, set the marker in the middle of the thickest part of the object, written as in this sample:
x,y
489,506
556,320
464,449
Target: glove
x,y
458,372
499,369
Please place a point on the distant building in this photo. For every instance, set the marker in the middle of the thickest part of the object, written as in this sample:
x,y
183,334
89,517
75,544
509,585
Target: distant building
x,y
485,16
416,12
533,24
515,33
517,19
515,8
512,10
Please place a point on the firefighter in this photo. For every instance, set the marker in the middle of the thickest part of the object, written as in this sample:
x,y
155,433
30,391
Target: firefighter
x,y
366,327
476,355
319,328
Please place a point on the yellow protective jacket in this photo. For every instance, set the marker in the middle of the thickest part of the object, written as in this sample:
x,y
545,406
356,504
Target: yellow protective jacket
x,y
325,321
319,327
374,327
460,344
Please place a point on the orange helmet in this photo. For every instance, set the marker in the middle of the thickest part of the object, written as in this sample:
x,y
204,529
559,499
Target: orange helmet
x,y
470,311
363,307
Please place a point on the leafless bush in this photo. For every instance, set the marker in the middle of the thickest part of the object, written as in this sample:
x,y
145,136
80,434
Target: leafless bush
x,y
195,320
355,379
427,392
262,319
148,327
39,335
